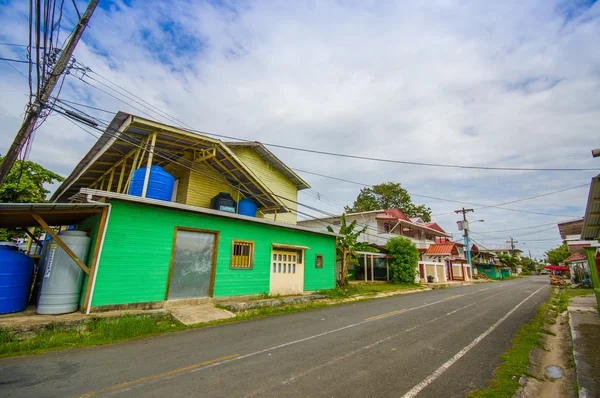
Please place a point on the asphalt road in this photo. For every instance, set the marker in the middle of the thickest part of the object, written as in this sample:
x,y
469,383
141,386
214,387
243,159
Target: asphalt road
x,y
430,344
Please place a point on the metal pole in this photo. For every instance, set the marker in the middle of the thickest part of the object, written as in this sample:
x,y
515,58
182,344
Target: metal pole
x,y
46,91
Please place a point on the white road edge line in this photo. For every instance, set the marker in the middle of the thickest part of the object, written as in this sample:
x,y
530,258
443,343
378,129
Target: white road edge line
x,y
439,371
322,334
289,343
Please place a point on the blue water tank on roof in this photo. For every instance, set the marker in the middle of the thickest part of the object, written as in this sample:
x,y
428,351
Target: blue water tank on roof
x,y
247,207
160,183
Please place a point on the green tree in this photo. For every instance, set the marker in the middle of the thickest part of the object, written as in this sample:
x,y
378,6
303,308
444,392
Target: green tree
x,y
388,195
511,261
347,247
25,184
528,264
558,255
404,260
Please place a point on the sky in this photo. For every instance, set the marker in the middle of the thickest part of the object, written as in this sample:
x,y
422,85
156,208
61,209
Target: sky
x,y
501,84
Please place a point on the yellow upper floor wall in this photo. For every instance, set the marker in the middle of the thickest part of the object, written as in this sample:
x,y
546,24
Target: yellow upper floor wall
x,y
197,188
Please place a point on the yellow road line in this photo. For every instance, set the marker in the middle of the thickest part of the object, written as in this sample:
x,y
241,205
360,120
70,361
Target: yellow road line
x,y
453,297
386,314
158,376
483,290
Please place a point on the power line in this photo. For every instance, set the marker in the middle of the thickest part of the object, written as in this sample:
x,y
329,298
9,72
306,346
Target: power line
x,y
174,161
517,229
15,60
18,71
481,206
350,156
229,137
13,45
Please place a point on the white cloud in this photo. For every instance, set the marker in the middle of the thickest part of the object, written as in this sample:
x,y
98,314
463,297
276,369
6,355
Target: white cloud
x,y
505,84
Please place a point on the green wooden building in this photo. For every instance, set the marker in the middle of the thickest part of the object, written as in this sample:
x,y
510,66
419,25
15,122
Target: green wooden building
x,y
154,251
146,250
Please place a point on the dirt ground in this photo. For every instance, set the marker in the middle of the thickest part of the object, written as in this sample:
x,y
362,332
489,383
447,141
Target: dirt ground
x,y
557,351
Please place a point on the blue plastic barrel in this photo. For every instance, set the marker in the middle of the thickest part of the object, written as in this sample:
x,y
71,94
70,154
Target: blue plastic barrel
x,y
160,183
16,270
247,207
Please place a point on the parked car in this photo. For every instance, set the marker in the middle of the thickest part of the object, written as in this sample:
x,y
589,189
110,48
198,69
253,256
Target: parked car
x,y
544,272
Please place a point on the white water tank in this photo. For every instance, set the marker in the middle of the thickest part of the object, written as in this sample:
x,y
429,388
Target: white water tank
x,y
61,277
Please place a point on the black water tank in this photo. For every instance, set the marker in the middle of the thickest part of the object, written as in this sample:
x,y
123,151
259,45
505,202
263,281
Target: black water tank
x,y
224,202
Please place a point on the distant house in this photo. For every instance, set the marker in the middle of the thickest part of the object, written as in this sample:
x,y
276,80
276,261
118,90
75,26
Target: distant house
x,y
444,262
571,232
578,267
504,248
176,215
486,262
382,225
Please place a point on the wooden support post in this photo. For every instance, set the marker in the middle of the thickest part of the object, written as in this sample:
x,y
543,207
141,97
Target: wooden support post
x,y
110,180
387,265
59,241
148,165
94,263
122,174
365,264
133,168
372,269
32,236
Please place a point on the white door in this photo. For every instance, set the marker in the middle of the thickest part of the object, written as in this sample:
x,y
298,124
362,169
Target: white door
x,y
287,273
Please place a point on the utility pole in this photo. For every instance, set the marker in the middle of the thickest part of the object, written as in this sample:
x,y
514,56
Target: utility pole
x,y
465,226
512,246
46,91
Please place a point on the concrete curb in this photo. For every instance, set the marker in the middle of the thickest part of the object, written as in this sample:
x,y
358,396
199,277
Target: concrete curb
x,y
272,303
581,391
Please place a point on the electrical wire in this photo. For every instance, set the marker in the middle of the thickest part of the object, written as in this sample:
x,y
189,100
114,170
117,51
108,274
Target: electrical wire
x,y
247,193
14,60
351,156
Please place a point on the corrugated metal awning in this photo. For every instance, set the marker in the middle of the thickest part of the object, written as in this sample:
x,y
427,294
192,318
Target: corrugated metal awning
x,y
286,246
591,222
15,215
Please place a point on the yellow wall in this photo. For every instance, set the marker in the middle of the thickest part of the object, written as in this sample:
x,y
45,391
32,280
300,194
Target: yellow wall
x,y
183,175
205,184
275,181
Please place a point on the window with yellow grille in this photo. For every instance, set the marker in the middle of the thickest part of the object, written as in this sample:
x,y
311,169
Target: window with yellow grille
x,y
242,254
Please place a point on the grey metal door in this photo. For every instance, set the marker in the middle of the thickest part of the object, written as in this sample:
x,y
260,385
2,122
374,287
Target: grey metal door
x,y
192,264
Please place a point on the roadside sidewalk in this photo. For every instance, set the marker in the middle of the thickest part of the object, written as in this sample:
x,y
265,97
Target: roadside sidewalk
x,y
584,321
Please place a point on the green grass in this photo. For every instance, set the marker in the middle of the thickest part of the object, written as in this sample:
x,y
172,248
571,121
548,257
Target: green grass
x,y
95,332
516,359
128,327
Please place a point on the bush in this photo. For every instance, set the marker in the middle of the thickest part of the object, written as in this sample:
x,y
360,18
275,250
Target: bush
x,y
404,260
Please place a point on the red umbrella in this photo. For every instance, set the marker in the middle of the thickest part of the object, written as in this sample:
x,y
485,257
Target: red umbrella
x,y
556,268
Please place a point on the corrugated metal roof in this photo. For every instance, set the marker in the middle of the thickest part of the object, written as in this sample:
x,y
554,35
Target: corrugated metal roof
x,y
395,214
572,227
274,160
591,222
435,226
575,257
14,215
442,249
127,132
84,192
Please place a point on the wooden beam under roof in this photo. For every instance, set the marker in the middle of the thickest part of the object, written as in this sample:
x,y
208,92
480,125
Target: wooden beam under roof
x,y
59,241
